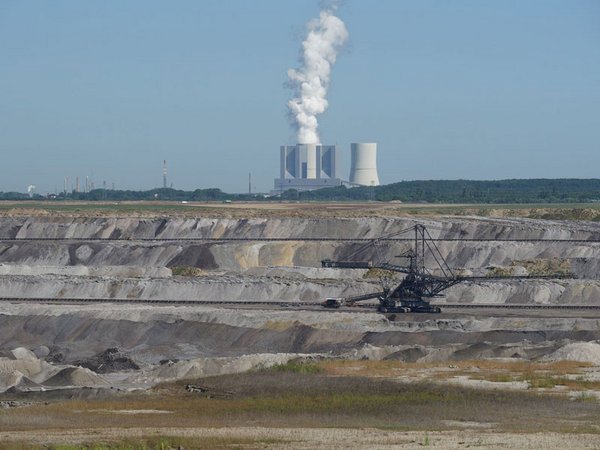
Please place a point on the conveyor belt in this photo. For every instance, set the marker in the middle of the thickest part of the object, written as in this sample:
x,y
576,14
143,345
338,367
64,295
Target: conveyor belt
x,y
283,304
290,239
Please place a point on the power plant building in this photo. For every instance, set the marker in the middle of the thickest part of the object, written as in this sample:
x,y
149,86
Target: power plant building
x,y
305,167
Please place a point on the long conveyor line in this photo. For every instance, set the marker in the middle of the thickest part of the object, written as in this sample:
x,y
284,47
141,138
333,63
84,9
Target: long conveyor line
x,y
285,304
291,239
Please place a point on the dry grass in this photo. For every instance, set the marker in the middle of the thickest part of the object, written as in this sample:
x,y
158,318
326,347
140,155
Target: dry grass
x,y
376,273
155,442
499,272
545,375
535,267
386,368
571,211
545,267
289,398
323,394
186,271
565,211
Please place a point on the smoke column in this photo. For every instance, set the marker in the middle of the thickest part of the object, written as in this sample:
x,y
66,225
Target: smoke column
x,y
326,35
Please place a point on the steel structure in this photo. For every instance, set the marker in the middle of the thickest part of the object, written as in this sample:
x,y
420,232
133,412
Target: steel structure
x,y
420,283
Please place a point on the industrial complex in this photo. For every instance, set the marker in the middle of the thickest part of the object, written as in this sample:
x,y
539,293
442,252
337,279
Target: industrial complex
x,y
305,167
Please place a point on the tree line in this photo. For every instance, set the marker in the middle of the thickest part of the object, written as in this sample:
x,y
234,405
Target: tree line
x,y
425,191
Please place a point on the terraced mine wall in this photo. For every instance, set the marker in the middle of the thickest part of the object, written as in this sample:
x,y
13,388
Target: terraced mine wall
x,y
132,258
48,345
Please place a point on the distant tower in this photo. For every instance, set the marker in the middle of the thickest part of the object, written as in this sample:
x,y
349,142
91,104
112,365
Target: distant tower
x,y
249,182
77,184
165,174
363,166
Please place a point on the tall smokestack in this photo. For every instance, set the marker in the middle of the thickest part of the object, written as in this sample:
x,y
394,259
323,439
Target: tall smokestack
x,y
326,35
77,184
165,174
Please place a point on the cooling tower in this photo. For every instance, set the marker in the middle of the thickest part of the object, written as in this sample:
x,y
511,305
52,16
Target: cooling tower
x,y
363,166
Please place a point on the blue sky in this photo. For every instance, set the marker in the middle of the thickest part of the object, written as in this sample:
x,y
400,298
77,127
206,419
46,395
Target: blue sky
x,y
448,89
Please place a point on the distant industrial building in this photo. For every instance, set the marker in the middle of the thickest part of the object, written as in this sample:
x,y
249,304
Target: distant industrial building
x,y
306,167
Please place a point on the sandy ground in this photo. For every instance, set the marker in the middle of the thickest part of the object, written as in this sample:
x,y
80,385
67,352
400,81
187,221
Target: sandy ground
x,y
313,438
575,211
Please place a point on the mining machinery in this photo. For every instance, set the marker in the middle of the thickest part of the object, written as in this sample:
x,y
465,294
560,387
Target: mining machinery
x,y
419,285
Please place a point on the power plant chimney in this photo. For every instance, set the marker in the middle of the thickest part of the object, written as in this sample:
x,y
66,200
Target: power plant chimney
x,y
363,166
164,174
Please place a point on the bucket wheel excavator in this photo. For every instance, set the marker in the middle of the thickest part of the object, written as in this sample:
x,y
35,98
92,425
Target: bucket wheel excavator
x,y
420,283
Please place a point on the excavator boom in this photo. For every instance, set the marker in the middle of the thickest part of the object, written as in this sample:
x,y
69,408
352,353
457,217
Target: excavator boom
x,y
419,284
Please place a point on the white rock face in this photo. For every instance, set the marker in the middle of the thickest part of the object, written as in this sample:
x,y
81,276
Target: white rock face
x,y
578,351
23,353
86,271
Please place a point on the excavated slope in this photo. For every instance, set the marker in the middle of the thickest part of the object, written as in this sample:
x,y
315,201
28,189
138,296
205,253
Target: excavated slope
x,y
133,259
129,251
135,263
151,334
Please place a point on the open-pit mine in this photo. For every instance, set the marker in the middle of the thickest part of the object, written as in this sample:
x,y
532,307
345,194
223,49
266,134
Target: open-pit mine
x,y
97,307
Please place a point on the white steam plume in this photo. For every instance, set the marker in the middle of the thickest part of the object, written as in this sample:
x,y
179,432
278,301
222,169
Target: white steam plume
x,y
326,35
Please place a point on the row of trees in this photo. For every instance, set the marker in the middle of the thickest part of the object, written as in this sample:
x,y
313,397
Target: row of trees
x,y
431,191
468,191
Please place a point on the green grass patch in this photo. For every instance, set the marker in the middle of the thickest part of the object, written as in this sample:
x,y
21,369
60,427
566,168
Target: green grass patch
x,y
494,377
543,381
349,402
585,397
293,367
